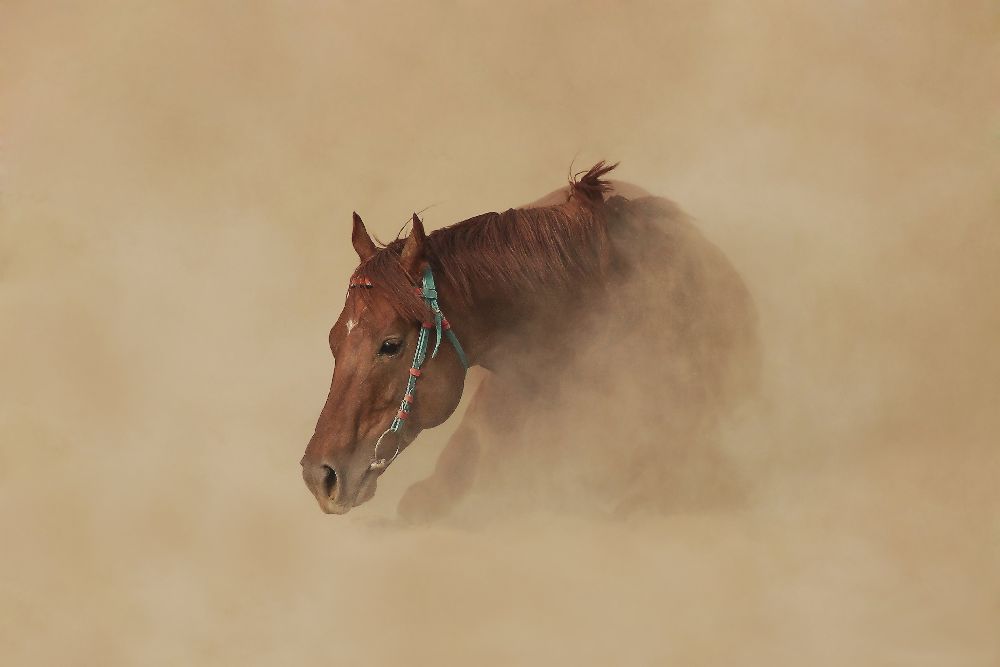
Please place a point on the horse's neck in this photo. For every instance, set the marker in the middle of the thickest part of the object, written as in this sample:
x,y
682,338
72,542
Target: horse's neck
x,y
501,324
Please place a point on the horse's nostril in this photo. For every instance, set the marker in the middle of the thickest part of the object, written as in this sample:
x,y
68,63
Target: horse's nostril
x,y
329,481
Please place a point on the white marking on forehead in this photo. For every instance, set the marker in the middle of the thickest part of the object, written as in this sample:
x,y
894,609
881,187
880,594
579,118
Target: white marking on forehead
x,y
355,318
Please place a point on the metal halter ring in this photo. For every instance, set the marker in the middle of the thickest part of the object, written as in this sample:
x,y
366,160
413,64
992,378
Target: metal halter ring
x,y
382,464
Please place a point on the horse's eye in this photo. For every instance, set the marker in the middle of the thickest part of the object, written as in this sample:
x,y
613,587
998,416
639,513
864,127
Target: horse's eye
x,y
390,348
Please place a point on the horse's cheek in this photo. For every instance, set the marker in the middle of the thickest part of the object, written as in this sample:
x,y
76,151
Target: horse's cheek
x,y
441,402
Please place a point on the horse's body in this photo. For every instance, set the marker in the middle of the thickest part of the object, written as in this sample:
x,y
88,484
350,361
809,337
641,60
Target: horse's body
x,y
611,330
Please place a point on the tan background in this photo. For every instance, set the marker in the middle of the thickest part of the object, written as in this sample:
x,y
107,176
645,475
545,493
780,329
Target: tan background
x,y
177,181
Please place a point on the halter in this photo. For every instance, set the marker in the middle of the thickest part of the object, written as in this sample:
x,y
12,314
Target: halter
x,y
441,326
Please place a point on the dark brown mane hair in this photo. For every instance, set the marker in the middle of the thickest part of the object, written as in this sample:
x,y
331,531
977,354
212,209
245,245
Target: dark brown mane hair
x,y
533,249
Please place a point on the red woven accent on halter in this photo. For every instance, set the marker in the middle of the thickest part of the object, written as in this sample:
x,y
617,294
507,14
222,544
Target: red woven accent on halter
x,y
361,282
415,372
408,398
428,325
445,324
402,414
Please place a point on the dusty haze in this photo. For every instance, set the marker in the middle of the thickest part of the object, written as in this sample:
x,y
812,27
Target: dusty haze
x,y
176,183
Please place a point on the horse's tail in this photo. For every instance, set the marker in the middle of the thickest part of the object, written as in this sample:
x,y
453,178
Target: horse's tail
x,y
591,187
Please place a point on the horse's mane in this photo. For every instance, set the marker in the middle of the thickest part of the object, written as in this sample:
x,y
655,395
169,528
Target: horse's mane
x,y
524,249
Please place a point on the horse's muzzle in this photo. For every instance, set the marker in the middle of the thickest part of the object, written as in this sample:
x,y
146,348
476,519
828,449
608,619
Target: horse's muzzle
x,y
327,486
335,488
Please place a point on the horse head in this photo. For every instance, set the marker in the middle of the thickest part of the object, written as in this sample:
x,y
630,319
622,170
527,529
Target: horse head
x,y
375,407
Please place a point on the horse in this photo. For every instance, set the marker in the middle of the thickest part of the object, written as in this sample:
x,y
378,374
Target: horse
x,y
609,329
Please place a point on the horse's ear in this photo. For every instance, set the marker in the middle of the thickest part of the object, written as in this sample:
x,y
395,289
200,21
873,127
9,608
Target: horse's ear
x,y
414,257
362,242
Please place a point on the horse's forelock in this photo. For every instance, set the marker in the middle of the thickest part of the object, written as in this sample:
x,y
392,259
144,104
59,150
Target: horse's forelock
x,y
389,283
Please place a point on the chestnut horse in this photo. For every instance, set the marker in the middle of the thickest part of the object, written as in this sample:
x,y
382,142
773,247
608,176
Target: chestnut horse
x,y
598,302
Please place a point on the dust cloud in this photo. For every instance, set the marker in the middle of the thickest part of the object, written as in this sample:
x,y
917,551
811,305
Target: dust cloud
x,y
177,182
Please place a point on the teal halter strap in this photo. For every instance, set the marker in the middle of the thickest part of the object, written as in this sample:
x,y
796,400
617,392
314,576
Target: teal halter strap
x,y
440,324
429,292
